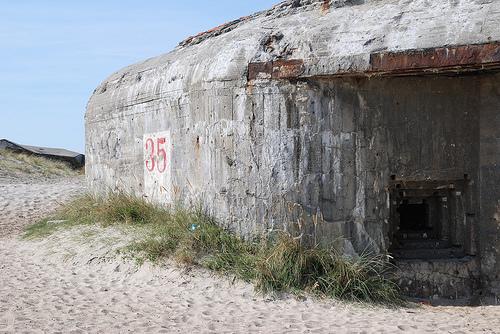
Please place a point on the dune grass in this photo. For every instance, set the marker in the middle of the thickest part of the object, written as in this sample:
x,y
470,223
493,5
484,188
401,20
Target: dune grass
x,y
275,264
20,163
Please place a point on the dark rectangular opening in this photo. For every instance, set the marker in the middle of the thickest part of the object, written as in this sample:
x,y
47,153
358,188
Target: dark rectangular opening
x,y
414,216
425,220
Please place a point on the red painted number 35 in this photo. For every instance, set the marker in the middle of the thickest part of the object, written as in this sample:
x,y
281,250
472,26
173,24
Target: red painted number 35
x,y
157,155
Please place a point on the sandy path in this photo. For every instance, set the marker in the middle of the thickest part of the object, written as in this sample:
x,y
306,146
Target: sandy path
x,y
24,201
63,285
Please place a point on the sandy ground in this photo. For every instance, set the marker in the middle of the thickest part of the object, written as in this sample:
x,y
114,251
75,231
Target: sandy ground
x,y
27,200
61,284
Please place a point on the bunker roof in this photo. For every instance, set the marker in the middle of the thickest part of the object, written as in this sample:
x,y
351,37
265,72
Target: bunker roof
x,y
313,38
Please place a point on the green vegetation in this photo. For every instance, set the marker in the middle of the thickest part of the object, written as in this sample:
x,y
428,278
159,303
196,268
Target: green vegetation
x,y
279,264
18,163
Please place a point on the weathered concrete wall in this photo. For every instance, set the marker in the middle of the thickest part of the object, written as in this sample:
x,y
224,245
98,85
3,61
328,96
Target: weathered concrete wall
x,y
328,145
314,154
442,281
489,164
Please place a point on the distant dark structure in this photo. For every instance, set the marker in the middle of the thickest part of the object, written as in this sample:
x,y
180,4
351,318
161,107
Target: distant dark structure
x,y
76,160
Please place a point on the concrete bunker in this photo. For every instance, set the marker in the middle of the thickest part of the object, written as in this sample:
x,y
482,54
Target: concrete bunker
x,y
350,129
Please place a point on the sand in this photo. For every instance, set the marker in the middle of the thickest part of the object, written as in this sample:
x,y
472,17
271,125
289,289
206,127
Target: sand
x,y
62,284
27,200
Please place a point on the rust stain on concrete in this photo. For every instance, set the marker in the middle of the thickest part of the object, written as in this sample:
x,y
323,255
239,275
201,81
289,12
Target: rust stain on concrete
x,y
278,69
325,6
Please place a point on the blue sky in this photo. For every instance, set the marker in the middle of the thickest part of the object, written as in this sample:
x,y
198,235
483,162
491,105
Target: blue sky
x,y
54,53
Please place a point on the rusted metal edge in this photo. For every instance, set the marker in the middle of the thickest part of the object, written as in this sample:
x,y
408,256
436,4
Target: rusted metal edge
x,y
461,58
453,57
278,69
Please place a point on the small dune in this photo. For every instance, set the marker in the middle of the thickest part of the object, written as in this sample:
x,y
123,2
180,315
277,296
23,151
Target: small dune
x,y
15,165
32,187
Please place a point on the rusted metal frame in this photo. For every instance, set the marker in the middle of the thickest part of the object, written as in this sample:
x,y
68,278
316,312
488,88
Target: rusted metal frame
x,y
476,56
451,59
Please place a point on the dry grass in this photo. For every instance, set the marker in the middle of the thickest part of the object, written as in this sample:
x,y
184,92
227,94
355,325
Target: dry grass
x,y
191,238
12,163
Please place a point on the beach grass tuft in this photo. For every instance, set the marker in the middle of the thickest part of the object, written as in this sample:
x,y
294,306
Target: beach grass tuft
x,y
273,264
